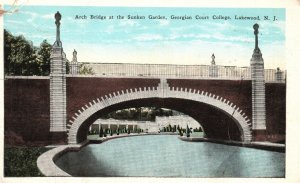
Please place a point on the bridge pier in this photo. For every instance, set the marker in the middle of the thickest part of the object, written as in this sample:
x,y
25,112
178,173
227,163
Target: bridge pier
x,y
258,92
58,115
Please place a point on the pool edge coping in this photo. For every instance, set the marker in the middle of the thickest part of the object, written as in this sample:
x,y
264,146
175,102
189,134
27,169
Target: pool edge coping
x,y
255,145
48,168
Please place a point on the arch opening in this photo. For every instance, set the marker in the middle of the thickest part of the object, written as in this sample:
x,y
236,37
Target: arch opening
x,y
220,118
144,119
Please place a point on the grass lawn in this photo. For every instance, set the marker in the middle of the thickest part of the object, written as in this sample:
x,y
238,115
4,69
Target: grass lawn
x,y
21,161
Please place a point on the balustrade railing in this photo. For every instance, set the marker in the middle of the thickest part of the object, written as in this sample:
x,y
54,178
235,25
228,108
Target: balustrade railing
x,y
183,71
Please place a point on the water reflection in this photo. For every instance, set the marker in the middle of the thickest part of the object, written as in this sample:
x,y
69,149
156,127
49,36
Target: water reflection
x,y
167,156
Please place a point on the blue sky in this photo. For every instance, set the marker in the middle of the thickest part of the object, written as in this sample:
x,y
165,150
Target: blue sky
x,y
165,41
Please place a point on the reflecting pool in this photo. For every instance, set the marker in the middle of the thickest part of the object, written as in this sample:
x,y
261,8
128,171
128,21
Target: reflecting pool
x,y
167,156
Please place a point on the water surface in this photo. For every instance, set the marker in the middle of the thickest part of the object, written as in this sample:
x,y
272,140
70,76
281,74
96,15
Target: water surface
x,y
167,156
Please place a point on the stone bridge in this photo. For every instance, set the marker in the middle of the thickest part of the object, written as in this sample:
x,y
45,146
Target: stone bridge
x,y
60,108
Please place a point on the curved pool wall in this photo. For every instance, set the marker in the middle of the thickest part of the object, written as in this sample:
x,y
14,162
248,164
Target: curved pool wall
x,y
45,161
193,159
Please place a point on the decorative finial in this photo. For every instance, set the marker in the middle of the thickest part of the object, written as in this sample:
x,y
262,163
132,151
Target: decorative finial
x,y
213,59
57,17
255,27
74,56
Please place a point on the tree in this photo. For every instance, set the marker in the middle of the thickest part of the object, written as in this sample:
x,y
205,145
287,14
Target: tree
x,y
8,41
180,132
111,132
178,128
170,128
22,58
200,129
105,133
187,131
44,57
85,70
118,131
101,132
67,67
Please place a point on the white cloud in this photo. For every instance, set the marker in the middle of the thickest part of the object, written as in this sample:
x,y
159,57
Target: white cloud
x,y
48,16
196,36
15,22
32,15
19,33
129,23
148,37
109,29
219,26
273,25
39,36
163,22
222,37
217,36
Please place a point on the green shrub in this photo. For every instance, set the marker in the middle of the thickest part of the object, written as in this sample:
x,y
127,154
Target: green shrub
x,y
180,133
21,161
111,133
101,132
187,131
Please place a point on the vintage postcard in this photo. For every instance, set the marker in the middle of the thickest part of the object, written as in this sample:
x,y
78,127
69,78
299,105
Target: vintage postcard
x,y
141,91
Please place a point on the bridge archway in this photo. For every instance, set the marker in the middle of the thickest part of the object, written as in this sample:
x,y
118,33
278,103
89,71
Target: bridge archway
x,y
84,117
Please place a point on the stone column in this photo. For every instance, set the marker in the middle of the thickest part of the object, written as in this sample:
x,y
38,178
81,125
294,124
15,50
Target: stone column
x,y
258,92
213,69
74,68
279,75
57,83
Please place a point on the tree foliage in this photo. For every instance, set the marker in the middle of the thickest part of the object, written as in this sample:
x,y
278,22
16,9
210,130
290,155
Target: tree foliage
x,y
22,58
138,114
187,131
101,133
85,70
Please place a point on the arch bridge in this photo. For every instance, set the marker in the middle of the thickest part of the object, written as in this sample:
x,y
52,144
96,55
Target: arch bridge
x,y
61,107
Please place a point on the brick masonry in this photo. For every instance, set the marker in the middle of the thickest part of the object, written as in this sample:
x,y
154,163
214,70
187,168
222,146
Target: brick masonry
x,y
27,110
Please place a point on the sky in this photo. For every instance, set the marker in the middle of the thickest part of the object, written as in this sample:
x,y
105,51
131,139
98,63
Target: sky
x,y
157,41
